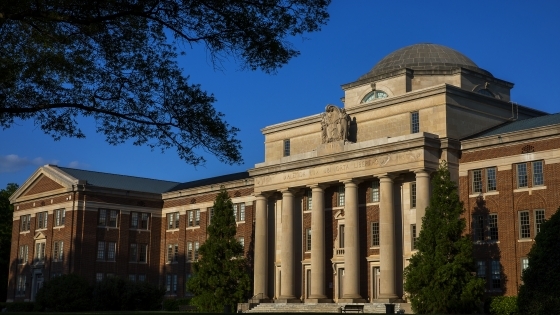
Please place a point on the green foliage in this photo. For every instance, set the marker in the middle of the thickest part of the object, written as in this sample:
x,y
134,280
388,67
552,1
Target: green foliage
x,y
67,293
6,215
172,305
220,277
441,275
118,294
117,62
503,305
20,307
540,291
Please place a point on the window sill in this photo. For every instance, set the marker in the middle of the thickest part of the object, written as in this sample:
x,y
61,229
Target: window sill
x,y
481,194
486,242
25,232
58,227
239,222
374,247
523,240
139,230
529,189
375,203
171,262
135,262
107,227
39,230
172,230
193,227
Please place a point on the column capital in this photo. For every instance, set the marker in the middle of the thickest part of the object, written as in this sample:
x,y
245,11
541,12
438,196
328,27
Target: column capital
x,y
290,190
385,176
320,185
427,171
263,194
351,181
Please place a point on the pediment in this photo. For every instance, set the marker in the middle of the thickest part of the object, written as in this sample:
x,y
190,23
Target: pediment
x,y
45,180
339,215
39,236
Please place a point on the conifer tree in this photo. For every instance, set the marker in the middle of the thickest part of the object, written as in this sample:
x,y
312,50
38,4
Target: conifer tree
x,y
441,276
540,292
220,277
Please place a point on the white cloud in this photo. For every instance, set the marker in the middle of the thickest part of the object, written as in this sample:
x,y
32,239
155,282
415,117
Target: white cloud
x,y
12,163
76,164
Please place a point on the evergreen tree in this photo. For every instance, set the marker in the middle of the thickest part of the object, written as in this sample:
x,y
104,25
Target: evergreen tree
x,y
6,221
441,276
220,277
540,291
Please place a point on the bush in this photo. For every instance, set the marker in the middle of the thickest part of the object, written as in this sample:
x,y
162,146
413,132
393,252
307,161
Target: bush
x,y
67,293
503,305
20,306
172,305
118,294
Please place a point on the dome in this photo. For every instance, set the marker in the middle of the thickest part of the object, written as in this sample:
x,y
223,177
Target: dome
x,y
424,57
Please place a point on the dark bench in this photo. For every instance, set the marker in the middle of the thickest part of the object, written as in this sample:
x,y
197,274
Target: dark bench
x,y
188,308
353,308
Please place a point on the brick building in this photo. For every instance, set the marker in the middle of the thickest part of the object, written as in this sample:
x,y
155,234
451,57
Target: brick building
x,y
332,213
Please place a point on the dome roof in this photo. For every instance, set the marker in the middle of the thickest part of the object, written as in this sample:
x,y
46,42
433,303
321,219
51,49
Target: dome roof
x,y
424,57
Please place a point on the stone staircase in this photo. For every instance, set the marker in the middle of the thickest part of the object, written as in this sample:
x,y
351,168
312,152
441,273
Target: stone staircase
x,y
377,308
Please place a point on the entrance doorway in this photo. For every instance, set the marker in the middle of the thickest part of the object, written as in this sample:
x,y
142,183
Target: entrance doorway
x,y
340,282
37,283
376,282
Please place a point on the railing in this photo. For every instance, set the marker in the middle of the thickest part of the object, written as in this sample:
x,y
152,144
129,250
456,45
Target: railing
x,y
339,251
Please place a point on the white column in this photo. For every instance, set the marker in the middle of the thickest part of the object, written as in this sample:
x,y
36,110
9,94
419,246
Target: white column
x,y
317,244
422,197
287,247
387,239
351,243
261,251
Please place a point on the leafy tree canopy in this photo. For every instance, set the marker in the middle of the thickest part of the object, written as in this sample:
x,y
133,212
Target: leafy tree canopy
x,y
115,61
6,215
67,293
441,276
220,277
540,292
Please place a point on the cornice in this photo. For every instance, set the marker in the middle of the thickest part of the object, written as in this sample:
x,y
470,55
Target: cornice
x,y
551,131
196,191
292,124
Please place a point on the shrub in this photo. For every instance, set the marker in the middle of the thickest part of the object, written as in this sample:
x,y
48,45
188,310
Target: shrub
x,y
20,306
67,293
503,305
174,304
118,294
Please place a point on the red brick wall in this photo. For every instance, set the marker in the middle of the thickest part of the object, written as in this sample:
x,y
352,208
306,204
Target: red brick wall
x,y
43,184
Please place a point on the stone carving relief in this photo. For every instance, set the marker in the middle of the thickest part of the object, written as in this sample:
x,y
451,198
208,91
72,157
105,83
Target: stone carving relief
x,y
334,124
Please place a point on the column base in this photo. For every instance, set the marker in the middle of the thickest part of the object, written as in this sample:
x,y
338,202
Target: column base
x,y
287,300
260,300
388,300
318,300
352,300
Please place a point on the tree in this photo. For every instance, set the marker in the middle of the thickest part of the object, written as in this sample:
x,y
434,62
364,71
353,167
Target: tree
x,y
540,291
220,277
66,293
441,276
116,61
119,294
6,221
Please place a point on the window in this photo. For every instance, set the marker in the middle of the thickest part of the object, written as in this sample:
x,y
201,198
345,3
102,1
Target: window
x,y
413,236
481,269
374,233
111,251
210,214
190,217
286,147
173,220
242,242
100,250
491,179
59,217
21,285
196,245
239,211
538,179
477,181
132,278
493,227
58,251
307,240
172,253
414,122
108,218
524,229
133,253
99,277
25,222
309,200
23,256
42,220
143,253
171,284
40,252
413,195
373,95
496,275
196,217
189,251
341,194
539,219
139,220
524,263
375,191
141,278
521,175
341,236
478,228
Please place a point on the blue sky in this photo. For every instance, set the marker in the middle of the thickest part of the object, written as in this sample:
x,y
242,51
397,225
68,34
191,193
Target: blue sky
x,y
517,41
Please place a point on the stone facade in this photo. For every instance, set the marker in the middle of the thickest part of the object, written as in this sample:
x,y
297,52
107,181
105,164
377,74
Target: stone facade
x,y
332,213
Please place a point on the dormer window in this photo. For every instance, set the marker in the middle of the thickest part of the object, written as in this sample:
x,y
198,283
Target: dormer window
x,y
486,92
373,95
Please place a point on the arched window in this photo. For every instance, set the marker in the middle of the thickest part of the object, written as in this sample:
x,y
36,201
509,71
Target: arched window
x,y
486,92
373,95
